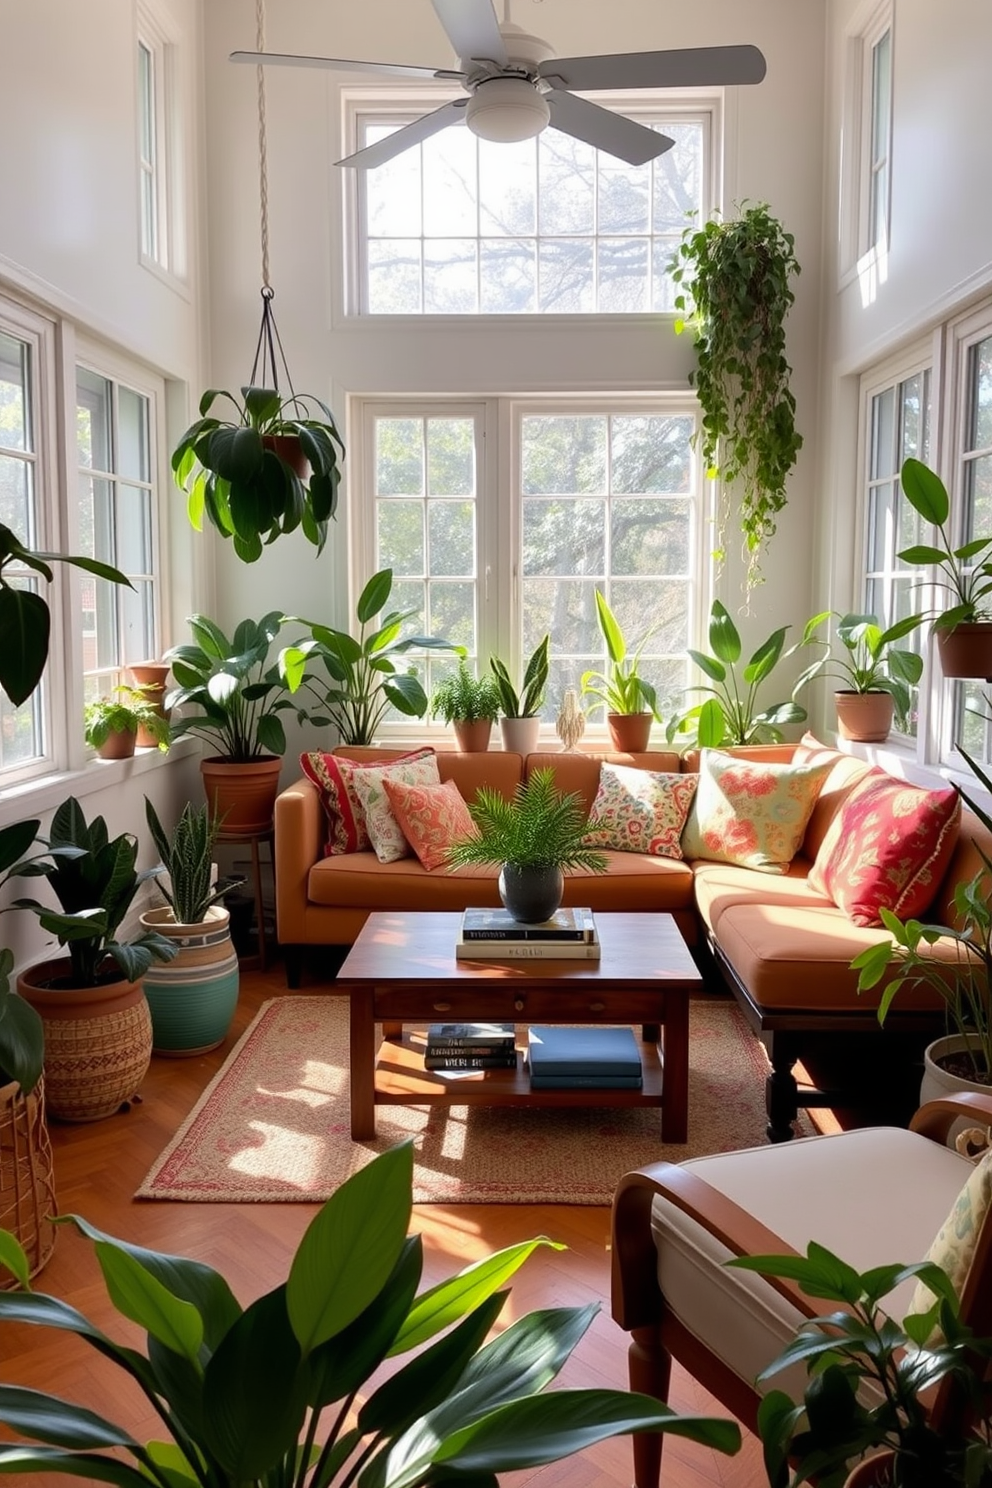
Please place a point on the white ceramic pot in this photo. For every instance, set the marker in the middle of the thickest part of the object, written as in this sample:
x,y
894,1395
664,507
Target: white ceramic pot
x,y
938,1081
520,734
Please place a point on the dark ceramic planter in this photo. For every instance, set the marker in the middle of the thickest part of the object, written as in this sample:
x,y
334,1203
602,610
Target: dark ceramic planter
x,y
531,894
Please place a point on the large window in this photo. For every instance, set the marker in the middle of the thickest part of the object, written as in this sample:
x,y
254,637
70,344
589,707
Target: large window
x,y
161,215
493,553
462,226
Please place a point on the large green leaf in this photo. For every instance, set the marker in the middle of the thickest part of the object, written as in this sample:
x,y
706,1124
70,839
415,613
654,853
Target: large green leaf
x,y
15,841
711,726
60,1423
725,641
764,659
374,596
25,624
12,1257
19,1459
140,1296
451,1299
235,454
925,492
616,646
339,1366
22,1039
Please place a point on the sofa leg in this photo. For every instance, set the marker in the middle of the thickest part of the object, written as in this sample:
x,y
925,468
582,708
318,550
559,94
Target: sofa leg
x,y
293,961
781,1105
649,1369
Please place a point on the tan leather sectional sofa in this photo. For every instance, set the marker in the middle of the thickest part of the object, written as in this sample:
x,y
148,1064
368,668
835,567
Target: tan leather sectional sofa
x,y
784,950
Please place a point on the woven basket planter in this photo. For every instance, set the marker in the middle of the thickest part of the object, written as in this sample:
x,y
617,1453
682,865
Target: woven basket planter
x,y
27,1186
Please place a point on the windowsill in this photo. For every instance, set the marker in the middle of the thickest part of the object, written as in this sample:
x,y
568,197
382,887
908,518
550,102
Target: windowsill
x,y
46,792
900,760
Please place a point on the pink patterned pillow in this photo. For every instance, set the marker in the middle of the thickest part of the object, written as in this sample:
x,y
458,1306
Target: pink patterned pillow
x,y
346,831
640,811
431,817
750,813
369,785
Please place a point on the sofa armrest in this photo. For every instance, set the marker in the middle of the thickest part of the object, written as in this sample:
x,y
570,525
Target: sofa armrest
x,y
299,835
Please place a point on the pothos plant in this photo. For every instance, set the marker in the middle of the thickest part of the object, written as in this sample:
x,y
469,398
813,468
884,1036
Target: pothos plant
x,y
734,294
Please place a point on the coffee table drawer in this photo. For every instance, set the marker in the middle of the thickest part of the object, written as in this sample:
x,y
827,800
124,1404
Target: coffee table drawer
x,y
519,1005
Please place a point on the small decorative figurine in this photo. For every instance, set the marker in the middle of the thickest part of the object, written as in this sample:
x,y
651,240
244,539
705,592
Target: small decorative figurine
x,y
570,724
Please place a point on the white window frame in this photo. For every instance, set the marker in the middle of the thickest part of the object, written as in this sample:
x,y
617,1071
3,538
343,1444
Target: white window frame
x,y
498,607
361,106
861,251
169,256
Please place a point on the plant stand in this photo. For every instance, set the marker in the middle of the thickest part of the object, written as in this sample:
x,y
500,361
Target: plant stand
x,y
27,1181
259,961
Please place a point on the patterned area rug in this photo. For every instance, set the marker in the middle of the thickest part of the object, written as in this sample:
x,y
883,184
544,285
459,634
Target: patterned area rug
x,y
274,1123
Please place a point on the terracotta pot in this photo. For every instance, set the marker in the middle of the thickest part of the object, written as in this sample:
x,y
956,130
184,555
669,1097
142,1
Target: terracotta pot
x,y
98,1040
966,651
865,716
873,1472
520,734
629,732
289,449
119,744
243,796
192,998
473,738
151,677
27,1180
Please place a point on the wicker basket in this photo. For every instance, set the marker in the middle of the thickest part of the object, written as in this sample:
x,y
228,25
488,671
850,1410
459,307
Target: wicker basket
x,y
27,1188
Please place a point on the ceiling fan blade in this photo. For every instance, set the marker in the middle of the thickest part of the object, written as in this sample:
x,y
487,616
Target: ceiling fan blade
x,y
692,67
605,130
472,28
340,64
411,134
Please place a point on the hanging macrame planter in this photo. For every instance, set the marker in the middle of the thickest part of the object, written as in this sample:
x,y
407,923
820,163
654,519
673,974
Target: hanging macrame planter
x,y
275,465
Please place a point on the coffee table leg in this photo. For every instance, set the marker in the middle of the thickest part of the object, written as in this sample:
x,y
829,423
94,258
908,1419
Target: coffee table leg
x,y
675,1080
362,1065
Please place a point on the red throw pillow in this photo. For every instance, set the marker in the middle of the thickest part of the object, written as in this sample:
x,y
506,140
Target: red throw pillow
x,y
888,847
431,817
346,832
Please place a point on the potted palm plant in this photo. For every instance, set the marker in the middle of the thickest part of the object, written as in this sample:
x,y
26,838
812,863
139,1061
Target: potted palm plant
x,y
876,673
112,724
533,839
97,1029
470,704
628,700
520,722
193,998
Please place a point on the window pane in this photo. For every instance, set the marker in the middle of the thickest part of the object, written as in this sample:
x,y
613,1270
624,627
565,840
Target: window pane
x,y
16,497
93,420
393,191
978,495
981,409
623,274
137,622
624,197
14,394
134,530
565,276
563,454
677,178
881,93
507,189
401,536
399,457
564,537
650,537
452,537
451,276
650,453
450,457
132,412
395,269
508,271
146,106
450,184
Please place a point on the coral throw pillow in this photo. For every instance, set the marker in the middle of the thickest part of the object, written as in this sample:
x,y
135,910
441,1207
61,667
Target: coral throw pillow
x,y
640,811
751,814
431,817
346,832
368,783
888,847
954,1245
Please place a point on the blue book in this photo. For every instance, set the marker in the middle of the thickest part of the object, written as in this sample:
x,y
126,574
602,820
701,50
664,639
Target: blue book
x,y
558,1051
585,1082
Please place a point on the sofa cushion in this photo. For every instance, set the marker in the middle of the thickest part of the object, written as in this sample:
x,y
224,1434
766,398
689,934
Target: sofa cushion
x,y
750,813
345,814
431,817
717,886
845,772
640,810
368,784
888,847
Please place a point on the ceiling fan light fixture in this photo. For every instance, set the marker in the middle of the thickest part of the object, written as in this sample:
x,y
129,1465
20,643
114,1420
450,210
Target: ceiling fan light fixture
x,y
507,110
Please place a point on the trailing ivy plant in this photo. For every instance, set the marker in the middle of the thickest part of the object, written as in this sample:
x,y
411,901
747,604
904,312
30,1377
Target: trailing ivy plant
x,y
734,293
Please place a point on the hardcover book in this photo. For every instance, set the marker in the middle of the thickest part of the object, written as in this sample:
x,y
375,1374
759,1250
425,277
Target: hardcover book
x,y
470,1061
585,1082
471,1051
557,1052
499,924
458,1035
527,950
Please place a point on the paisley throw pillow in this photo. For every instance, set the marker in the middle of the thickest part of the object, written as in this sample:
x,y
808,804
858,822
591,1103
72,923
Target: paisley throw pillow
x,y
749,813
368,784
431,817
640,811
954,1245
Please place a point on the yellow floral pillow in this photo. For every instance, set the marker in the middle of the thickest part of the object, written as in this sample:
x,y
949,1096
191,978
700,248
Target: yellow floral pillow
x,y
750,813
953,1249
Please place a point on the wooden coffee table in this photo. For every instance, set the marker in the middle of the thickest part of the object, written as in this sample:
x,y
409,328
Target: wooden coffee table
x,y
402,971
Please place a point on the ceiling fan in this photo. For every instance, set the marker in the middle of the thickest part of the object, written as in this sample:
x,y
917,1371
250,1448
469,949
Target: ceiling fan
x,y
516,86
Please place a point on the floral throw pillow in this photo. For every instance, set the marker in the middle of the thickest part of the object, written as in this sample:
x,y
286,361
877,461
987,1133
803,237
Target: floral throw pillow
x,y
640,811
368,783
888,847
431,817
954,1245
749,813
346,832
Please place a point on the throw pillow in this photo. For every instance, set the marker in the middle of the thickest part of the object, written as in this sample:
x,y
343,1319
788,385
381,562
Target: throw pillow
x,y
750,813
953,1248
385,832
888,846
640,811
431,817
346,832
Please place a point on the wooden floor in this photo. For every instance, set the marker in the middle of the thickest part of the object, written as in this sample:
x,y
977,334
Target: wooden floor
x,y
99,1166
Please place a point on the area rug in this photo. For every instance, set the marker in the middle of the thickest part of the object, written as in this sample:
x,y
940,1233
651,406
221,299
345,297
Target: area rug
x,y
274,1123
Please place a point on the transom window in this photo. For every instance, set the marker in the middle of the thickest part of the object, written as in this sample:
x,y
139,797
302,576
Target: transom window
x,y
878,163
461,226
148,151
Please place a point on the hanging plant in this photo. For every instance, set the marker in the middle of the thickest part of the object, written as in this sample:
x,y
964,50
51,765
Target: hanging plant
x,y
734,294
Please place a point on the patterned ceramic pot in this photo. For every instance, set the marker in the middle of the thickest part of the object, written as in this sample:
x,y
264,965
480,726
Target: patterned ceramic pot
x,y
193,997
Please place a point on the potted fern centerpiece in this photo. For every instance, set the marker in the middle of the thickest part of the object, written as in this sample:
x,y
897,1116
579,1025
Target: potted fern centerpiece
x,y
192,999
535,839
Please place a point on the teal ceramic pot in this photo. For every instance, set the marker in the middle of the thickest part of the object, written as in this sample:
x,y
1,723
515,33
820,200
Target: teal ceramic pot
x,y
192,999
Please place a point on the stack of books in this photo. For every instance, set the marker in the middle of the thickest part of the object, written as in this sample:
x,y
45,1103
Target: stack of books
x,y
565,1058
494,935
470,1046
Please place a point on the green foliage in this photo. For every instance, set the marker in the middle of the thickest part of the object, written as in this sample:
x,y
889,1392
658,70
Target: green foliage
x,y
968,580
540,827
734,294
124,715
187,857
241,1393
22,1038
25,619
246,488
858,1343
465,698
621,689
94,880
512,704
237,697
362,680
873,663
729,715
